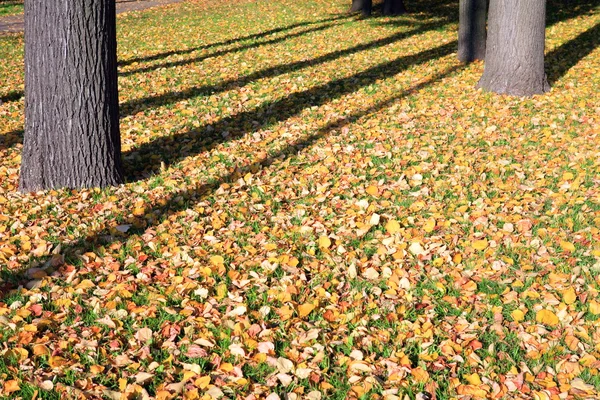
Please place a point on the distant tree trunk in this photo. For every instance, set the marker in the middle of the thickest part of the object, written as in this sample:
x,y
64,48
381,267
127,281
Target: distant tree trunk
x,y
472,30
72,107
514,58
364,6
393,7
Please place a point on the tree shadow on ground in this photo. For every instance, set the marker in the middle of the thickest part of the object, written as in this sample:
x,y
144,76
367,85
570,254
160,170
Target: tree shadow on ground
x,y
11,96
137,105
10,139
143,161
560,60
447,10
184,199
171,64
254,36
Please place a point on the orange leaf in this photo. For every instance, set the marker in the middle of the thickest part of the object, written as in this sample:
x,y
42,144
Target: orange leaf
x,y
372,190
305,309
11,386
420,375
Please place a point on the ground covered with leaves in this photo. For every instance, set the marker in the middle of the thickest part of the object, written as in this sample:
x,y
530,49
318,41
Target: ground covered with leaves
x,y
318,206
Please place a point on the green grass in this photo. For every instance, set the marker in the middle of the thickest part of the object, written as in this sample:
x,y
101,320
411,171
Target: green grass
x,y
10,7
250,130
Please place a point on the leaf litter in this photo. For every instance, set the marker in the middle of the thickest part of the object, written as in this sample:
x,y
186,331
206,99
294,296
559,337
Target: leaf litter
x,y
353,221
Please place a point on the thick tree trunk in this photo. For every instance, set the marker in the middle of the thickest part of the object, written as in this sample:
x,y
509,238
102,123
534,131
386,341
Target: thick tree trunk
x,y
364,6
472,30
72,107
514,58
393,7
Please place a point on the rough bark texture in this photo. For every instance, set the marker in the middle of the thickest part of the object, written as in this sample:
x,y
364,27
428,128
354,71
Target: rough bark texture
x,y
364,6
472,30
393,7
514,58
72,107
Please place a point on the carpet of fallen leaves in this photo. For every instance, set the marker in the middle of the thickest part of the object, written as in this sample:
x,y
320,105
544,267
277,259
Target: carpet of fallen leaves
x,y
318,206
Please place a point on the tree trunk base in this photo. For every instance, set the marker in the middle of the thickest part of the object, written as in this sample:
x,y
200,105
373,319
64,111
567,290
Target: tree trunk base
x,y
514,59
513,86
71,135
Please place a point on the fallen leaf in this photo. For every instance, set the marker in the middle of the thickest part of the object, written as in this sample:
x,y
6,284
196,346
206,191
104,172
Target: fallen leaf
x,y
546,317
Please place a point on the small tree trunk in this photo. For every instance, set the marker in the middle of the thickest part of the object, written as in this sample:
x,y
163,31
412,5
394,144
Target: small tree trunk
x,y
364,6
514,58
472,30
72,107
393,7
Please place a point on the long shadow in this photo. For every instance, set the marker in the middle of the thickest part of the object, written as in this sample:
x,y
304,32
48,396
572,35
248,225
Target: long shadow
x,y
218,53
253,36
137,105
10,280
560,60
141,162
557,10
10,139
11,96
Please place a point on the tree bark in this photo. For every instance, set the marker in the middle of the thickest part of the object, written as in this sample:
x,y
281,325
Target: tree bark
x,y
514,58
71,97
393,7
472,30
364,6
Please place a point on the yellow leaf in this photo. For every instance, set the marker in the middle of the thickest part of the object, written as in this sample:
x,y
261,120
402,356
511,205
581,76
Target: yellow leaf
x,y
372,190
567,246
480,244
420,375
569,296
429,225
392,226
270,246
221,291
217,260
139,211
18,354
324,242
473,379
305,309
518,315
188,375
226,367
594,307
567,176
202,382
546,317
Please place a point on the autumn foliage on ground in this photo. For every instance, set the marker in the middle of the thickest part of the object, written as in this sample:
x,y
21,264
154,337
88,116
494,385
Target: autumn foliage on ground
x,y
318,206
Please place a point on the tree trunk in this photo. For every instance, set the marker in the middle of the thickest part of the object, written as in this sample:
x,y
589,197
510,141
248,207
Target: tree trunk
x,y
514,58
472,30
364,6
72,107
393,7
